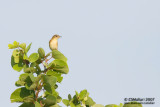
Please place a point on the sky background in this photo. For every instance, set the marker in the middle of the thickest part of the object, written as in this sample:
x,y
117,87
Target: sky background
x,y
112,46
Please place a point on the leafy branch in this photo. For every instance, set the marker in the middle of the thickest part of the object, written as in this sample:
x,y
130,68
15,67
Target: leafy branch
x,y
43,72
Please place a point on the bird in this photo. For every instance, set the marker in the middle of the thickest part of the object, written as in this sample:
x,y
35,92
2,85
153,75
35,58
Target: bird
x,y
53,43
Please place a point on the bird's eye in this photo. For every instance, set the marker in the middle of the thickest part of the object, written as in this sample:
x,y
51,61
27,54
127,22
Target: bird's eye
x,y
56,36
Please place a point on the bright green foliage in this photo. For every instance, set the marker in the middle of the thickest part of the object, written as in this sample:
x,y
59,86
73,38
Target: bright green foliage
x,y
16,54
111,105
23,46
82,94
66,102
89,101
50,100
35,78
25,80
78,99
33,57
41,52
27,105
56,74
58,55
49,82
28,48
120,105
69,97
56,105
59,66
16,66
37,104
30,105
22,95
14,45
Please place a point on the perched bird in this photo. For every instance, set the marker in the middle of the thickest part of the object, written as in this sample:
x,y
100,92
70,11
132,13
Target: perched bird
x,y
53,43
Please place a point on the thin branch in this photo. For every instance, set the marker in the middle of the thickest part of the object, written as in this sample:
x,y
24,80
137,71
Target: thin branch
x,y
39,89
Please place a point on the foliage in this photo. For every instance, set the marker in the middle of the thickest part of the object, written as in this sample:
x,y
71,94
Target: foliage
x,y
35,79
79,99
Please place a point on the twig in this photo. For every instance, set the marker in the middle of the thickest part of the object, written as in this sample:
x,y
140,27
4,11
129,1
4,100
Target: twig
x,y
41,104
39,89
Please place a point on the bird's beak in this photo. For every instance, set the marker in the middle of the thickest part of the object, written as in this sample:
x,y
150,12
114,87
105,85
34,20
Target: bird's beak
x,y
60,36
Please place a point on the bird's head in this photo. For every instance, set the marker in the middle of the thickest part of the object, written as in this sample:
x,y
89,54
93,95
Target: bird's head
x,y
56,36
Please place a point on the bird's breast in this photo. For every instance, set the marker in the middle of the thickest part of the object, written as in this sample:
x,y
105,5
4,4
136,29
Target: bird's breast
x,y
53,44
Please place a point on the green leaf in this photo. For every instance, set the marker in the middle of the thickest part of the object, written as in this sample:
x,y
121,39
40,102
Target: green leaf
x,y
14,45
25,57
28,99
59,99
72,104
49,82
33,57
16,55
27,105
33,86
59,66
90,101
33,64
111,105
28,48
54,92
35,81
58,55
38,78
37,104
79,105
69,97
41,52
17,66
10,46
75,101
19,83
30,105
56,74
23,46
24,77
26,80
82,94
20,94
32,77
16,59
50,100
77,94
120,105
29,69
66,102
132,104
75,105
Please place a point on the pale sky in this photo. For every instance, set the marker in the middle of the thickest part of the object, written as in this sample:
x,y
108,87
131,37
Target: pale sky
x,y
112,46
